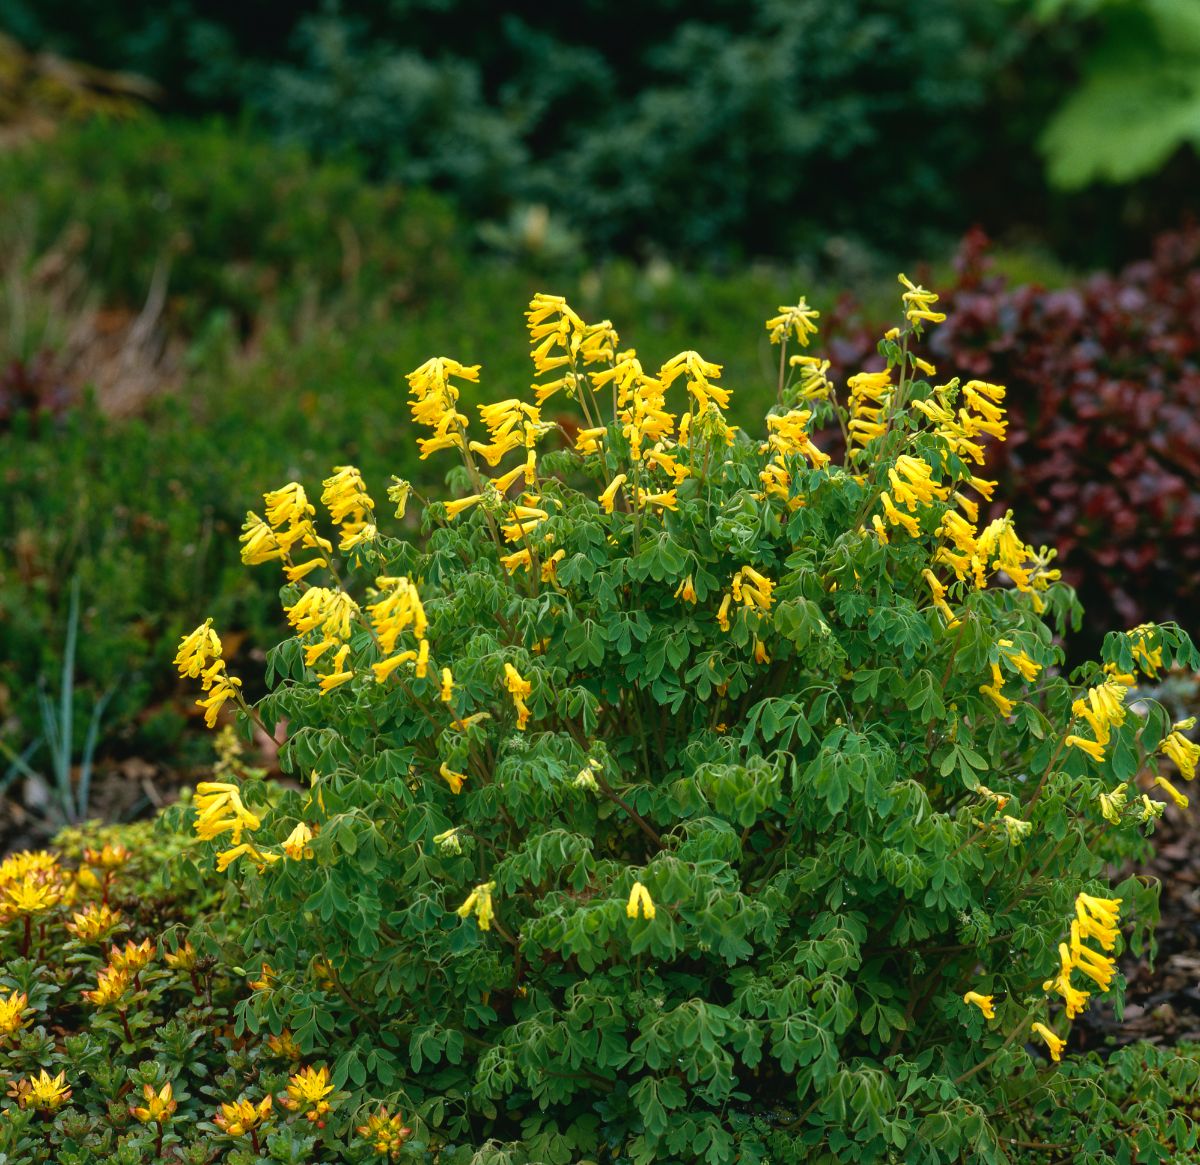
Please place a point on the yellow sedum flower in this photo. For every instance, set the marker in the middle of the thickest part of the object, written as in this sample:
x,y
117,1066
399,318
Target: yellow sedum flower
x,y
157,1107
94,922
112,985
43,1092
306,1093
12,1013
243,1116
385,1133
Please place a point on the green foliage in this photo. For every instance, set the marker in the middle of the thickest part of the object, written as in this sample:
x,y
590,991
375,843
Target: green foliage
x,y
143,510
731,815
225,219
1139,99
716,129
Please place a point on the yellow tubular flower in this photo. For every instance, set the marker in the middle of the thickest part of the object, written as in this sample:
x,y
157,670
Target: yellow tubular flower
x,y
287,506
1098,918
1094,750
453,779
1182,751
479,902
1112,803
1179,798
260,542
1054,1045
219,809
639,902
447,692
723,613
985,1003
260,858
1099,968
1016,829
297,843
686,590
993,692
516,685
918,303
609,496
1075,999
794,321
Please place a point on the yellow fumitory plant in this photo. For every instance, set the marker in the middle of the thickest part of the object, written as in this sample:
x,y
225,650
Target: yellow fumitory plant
x,y
696,783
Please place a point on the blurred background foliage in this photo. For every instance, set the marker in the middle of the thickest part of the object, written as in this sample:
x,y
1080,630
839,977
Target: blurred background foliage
x,y
226,239
714,129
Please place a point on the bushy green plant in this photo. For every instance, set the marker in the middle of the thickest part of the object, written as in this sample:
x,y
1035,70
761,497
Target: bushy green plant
x,y
225,219
683,796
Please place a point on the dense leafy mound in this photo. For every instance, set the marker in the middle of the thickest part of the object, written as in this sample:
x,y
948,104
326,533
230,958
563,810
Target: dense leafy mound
x,y
1103,457
686,795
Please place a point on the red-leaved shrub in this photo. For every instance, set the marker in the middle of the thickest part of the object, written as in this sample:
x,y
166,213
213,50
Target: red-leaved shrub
x,y
1103,454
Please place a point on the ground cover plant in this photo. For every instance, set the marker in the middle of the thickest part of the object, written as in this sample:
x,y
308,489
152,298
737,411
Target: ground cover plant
x,y
685,795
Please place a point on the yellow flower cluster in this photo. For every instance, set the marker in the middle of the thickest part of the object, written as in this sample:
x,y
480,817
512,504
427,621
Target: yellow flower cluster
x,y
434,402
871,395
1096,919
199,657
157,1107
288,524
788,436
520,689
750,588
43,1092
918,304
94,923
31,883
561,342
1103,708
385,1132
345,496
328,614
220,810
12,1013
306,1093
398,610
112,985
479,903
795,321
243,1116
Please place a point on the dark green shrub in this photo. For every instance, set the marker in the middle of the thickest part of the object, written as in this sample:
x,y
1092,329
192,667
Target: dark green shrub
x,y
716,128
231,222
